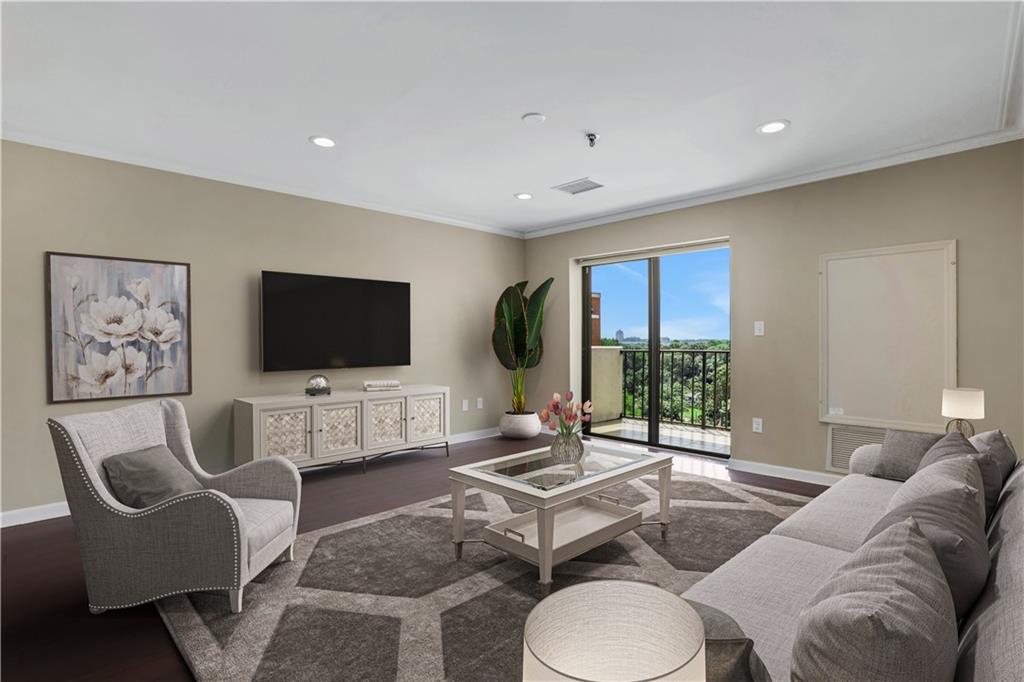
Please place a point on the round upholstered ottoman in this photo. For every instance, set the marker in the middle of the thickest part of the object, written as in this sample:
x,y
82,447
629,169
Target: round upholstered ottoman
x,y
613,631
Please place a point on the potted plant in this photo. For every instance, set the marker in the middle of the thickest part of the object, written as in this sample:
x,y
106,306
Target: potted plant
x,y
568,419
517,344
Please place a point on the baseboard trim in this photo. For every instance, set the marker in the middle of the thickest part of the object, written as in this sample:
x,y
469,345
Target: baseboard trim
x,y
467,436
18,517
817,477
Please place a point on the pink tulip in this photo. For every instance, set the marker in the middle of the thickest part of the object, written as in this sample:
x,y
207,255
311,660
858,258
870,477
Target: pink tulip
x,y
588,407
568,395
572,418
553,426
545,415
556,408
586,418
555,398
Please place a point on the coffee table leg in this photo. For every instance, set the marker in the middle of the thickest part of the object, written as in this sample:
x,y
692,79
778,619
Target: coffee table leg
x,y
545,544
664,493
458,515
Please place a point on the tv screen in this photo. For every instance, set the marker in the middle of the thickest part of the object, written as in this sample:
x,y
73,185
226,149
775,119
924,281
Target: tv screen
x,y
316,322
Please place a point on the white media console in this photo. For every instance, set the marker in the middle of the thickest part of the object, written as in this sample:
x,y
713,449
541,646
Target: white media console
x,y
345,425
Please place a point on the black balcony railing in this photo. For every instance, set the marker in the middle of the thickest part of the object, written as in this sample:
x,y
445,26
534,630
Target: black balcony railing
x,y
694,386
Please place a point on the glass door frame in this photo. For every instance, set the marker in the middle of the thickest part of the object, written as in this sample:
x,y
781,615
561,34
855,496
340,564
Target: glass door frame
x,y
653,352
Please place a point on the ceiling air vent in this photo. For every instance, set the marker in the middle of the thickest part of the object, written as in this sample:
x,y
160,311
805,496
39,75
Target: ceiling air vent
x,y
578,186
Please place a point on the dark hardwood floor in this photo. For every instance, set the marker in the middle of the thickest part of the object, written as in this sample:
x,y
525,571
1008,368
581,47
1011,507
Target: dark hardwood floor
x,y
48,633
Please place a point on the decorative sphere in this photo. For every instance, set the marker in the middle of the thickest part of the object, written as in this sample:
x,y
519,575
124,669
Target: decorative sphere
x,y
318,381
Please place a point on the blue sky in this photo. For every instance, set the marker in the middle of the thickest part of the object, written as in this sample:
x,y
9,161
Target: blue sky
x,y
694,296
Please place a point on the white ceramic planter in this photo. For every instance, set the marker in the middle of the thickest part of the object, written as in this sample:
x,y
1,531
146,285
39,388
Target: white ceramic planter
x,y
519,425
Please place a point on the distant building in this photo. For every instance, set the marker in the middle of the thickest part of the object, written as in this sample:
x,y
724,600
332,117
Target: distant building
x,y
619,335
665,340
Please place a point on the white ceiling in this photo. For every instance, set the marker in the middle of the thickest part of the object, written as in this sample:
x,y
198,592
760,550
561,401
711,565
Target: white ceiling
x,y
424,100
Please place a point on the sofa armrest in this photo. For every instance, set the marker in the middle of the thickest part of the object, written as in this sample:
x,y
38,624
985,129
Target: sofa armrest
x,y
864,458
273,478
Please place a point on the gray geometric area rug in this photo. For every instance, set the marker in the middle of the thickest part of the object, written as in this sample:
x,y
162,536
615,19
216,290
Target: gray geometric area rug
x,y
382,598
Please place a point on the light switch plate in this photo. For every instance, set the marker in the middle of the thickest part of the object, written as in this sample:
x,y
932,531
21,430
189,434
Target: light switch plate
x,y
465,405
759,328
479,403
757,424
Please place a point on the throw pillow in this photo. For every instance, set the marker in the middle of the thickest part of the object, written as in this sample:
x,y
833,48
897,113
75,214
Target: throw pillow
x,y
143,478
955,529
955,472
997,444
885,614
954,444
901,453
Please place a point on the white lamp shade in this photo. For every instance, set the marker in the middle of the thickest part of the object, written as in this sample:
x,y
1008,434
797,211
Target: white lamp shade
x,y
963,403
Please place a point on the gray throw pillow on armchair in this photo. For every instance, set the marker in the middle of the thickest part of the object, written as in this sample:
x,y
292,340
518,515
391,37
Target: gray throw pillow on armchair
x,y
885,614
143,478
901,452
954,444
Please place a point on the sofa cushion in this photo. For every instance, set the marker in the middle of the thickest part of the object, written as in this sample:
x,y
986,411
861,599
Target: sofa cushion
x,y
886,614
264,520
954,444
901,453
997,444
145,477
949,473
763,589
992,636
842,515
955,528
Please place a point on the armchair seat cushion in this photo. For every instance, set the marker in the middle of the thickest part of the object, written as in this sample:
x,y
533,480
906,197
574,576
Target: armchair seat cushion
x,y
264,520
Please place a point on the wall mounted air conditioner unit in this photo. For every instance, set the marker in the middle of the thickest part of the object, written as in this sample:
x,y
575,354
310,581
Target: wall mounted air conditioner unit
x,y
843,440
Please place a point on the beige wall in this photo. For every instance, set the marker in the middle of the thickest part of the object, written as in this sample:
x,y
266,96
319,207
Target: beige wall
x,y
974,197
64,202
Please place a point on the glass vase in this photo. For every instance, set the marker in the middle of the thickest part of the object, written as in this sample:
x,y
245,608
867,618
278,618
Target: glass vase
x,y
567,449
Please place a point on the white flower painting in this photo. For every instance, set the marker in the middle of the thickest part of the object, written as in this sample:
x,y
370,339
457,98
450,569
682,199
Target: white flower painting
x,y
118,328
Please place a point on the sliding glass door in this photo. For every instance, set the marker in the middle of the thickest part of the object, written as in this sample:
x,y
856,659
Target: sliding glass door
x,y
657,355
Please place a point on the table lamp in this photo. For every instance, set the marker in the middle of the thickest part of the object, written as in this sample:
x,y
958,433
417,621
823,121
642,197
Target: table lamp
x,y
960,405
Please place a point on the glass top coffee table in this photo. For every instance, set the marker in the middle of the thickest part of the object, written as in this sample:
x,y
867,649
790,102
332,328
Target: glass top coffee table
x,y
571,512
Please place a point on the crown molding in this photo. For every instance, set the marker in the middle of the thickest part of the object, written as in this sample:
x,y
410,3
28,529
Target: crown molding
x,y
15,134
966,144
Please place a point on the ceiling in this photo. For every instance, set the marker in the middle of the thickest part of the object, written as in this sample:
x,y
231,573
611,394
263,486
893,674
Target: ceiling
x,y
424,100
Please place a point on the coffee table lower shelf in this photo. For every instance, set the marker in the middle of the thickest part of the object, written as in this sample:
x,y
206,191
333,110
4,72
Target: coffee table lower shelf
x,y
579,526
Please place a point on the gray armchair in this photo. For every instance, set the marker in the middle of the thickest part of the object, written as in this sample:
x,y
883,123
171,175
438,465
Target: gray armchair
x,y
219,538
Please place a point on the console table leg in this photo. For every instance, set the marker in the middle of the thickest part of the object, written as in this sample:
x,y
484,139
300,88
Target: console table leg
x,y
664,494
545,545
458,515
364,465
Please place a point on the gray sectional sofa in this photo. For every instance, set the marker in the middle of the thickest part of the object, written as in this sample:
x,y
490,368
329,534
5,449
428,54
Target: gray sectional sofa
x,y
765,587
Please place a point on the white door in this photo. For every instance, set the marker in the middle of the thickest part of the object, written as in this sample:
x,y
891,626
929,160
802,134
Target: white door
x,y
338,429
287,433
426,417
385,422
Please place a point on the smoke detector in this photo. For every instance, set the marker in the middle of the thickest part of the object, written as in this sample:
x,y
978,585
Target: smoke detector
x,y
578,186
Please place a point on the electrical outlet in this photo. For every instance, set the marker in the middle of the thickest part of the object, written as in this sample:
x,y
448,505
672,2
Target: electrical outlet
x,y
465,405
757,424
479,403
759,328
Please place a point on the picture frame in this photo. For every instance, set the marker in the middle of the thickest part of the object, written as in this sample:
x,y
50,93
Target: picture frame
x,y
117,328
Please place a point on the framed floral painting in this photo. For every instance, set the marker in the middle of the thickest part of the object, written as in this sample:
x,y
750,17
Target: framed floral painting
x,y
117,327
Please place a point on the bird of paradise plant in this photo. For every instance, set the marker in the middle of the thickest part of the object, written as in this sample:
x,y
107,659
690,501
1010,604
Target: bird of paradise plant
x,y
518,319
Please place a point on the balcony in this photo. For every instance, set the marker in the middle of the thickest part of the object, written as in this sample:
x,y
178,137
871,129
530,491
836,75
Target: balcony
x,y
695,396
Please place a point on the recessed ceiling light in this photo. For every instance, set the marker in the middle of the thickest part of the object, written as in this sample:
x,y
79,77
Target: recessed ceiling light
x,y
523,195
321,141
534,118
773,126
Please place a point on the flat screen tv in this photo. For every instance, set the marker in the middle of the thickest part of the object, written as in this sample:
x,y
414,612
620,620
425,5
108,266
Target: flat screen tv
x,y
317,322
